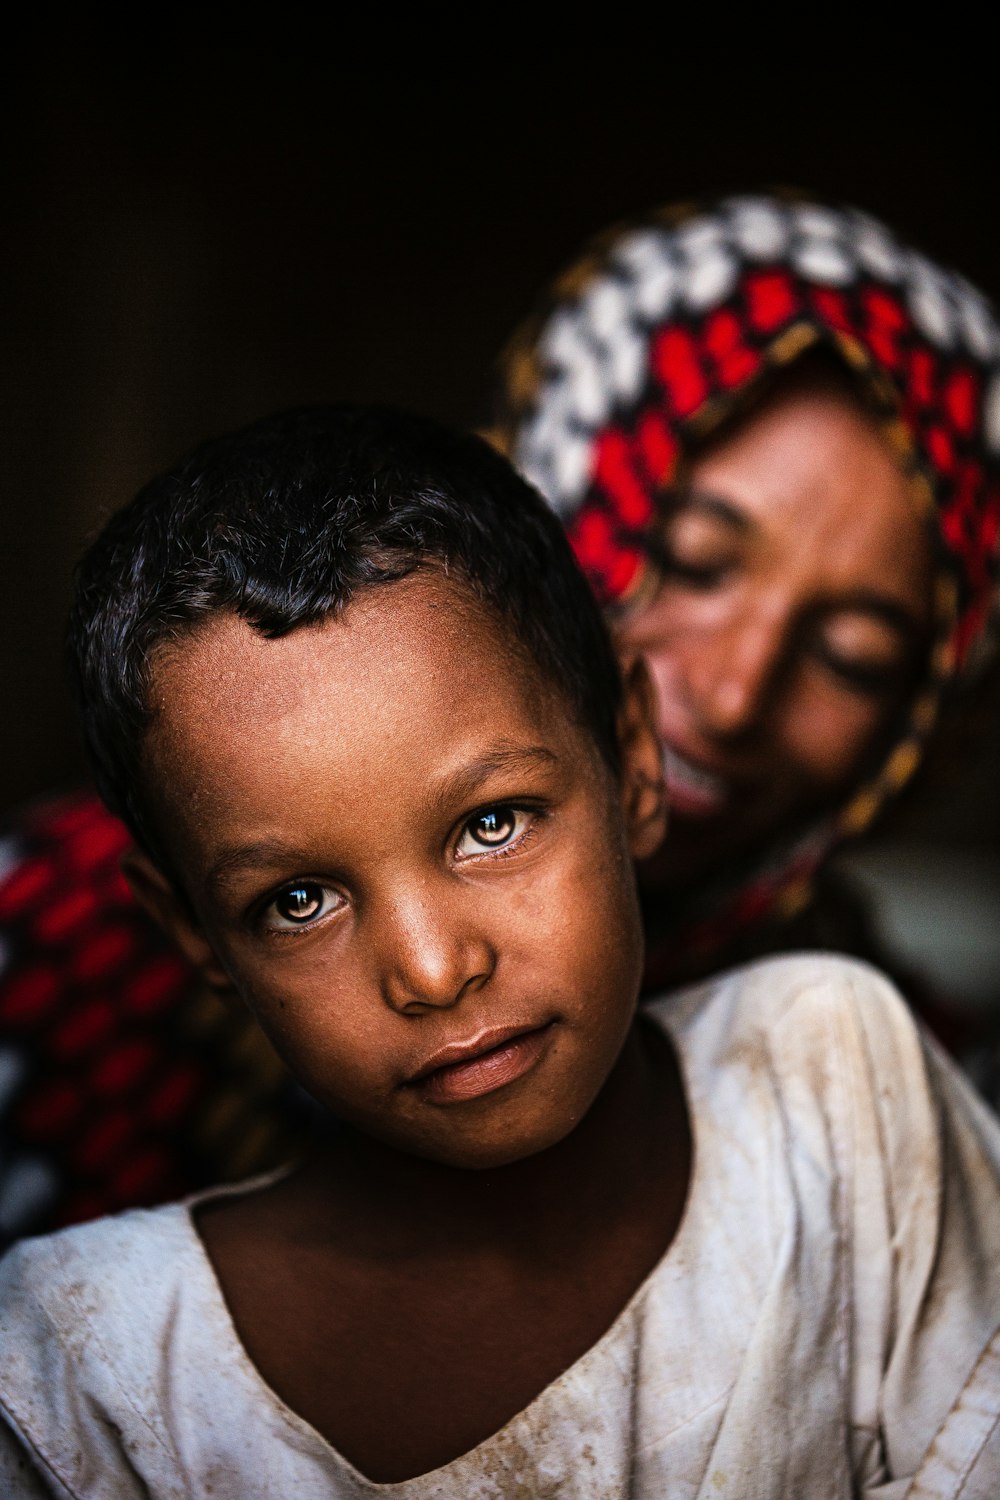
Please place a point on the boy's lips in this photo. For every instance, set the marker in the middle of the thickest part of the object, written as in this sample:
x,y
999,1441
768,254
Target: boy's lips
x,y
489,1061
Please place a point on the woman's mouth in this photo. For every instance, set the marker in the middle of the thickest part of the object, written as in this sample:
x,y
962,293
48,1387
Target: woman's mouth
x,y
693,791
488,1062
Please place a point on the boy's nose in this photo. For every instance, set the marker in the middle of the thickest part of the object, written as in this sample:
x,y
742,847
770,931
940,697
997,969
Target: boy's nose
x,y
432,957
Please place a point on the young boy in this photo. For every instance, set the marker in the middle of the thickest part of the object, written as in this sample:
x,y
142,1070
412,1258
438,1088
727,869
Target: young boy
x,y
341,676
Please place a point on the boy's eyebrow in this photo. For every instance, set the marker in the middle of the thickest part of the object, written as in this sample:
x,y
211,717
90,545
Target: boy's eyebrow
x,y
249,856
464,782
459,785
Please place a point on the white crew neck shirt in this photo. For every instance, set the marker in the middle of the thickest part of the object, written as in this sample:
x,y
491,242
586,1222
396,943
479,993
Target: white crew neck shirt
x,y
825,1322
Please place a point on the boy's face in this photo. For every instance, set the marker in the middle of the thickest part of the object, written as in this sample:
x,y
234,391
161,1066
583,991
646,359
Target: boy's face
x,y
410,861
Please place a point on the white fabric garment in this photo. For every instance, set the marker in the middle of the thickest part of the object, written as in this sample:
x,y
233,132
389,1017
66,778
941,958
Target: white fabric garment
x,y
825,1322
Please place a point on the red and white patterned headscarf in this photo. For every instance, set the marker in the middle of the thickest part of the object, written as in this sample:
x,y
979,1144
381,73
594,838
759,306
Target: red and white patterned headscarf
x,y
663,329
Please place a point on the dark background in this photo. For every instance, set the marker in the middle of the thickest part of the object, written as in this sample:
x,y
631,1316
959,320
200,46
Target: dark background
x,y
199,229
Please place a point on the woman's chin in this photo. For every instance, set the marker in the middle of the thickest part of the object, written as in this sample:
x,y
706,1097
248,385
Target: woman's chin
x,y
690,850
700,848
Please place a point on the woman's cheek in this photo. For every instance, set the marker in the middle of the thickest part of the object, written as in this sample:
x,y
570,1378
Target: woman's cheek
x,y
664,669
828,734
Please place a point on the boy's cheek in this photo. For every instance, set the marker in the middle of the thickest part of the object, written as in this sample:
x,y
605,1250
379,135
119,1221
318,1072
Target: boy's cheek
x,y
338,1049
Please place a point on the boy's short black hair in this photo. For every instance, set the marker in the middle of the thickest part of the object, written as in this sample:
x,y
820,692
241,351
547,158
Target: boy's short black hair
x,y
283,523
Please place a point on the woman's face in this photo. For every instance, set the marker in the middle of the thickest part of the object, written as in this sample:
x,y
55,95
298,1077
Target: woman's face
x,y
792,619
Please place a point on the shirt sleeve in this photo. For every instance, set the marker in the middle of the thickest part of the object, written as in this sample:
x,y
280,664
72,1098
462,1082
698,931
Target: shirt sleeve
x,y
23,1476
62,1427
932,1148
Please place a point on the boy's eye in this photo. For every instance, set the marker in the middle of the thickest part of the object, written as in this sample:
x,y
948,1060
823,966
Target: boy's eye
x,y
493,828
299,904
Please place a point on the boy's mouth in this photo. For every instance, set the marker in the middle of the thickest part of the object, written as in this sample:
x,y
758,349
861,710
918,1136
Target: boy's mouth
x,y
489,1061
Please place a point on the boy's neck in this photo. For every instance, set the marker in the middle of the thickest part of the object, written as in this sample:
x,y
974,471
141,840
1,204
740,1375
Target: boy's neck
x,y
386,1200
463,1292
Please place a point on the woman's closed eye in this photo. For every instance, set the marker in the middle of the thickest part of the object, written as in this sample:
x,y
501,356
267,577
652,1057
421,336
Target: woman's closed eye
x,y
299,905
703,574
497,829
866,654
694,549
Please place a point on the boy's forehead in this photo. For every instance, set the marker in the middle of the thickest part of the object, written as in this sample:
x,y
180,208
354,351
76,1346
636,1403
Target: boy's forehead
x,y
224,665
406,670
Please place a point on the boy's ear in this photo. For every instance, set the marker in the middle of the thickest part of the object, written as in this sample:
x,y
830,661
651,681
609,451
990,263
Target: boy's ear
x,y
156,895
644,792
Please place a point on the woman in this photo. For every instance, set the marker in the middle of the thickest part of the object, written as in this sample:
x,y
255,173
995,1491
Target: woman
x,y
772,432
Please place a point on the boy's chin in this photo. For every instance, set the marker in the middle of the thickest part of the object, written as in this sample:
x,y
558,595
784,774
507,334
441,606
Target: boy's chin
x,y
483,1150
490,1157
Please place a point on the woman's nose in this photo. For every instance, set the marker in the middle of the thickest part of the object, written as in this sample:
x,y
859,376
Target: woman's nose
x,y
433,952
732,677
